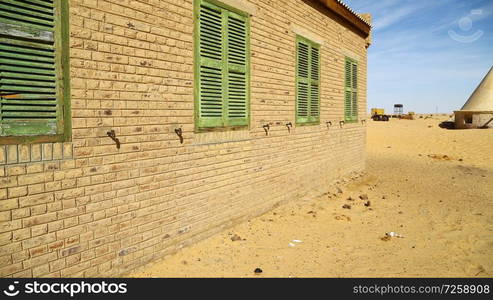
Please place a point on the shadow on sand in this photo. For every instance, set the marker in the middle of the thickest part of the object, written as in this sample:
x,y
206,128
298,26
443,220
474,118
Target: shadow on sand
x,y
447,125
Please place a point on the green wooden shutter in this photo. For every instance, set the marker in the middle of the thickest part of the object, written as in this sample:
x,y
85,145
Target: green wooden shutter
x,y
237,96
314,84
307,81
354,99
350,90
223,59
30,100
347,91
302,73
211,66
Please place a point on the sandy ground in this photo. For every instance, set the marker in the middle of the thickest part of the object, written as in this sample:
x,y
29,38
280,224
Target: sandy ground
x,y
433,186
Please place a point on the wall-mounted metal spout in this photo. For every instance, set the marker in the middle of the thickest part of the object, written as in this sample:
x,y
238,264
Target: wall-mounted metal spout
x,y
179,133
266,128
289,125
112,135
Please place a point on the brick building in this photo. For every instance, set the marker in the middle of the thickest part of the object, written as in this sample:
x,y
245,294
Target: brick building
x,y
132,128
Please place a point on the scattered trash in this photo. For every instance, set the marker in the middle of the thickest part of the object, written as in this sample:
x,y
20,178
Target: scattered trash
x,y
394,234
343,218
291,244
346,206
235,238
258,271
439,156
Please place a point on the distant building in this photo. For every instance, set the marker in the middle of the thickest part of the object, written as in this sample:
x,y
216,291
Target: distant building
x,y
129,129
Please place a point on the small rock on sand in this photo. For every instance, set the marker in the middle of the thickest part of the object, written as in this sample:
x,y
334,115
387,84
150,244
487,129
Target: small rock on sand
x,y
343,218
346,206
363,197
236,238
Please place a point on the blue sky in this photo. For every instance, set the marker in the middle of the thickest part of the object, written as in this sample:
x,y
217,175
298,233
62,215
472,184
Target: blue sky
x,y
427,54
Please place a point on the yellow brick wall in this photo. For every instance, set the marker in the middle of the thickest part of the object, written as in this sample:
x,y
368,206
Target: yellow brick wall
x,y
86,208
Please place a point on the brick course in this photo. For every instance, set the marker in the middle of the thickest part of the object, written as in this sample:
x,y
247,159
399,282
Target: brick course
x,y
86,208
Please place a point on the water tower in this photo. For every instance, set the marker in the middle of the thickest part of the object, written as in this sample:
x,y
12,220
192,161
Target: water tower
x,y
398,109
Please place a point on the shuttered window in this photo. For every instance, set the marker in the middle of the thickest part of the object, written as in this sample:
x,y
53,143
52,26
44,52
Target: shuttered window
x,y
307,81
222,67
351,90
33,68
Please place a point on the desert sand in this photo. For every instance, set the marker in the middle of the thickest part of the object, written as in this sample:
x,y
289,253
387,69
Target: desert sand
x,y
432,186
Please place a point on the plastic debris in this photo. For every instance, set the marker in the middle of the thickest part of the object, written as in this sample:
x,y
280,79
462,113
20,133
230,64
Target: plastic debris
x,y
394,234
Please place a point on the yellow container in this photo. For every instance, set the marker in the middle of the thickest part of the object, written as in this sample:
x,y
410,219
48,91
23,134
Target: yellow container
x,y
377,111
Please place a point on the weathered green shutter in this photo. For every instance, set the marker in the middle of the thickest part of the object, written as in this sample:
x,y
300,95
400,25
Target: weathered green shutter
x,y
302,92
314,84
211,66
350,90
237,63
354,99
307,81
223,84
30,101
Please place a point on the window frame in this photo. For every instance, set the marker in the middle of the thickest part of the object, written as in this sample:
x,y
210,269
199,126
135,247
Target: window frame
x,y
351,118
197,65
309,120
62,54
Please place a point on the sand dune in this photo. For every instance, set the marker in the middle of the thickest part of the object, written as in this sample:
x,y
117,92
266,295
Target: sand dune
x,y
433,186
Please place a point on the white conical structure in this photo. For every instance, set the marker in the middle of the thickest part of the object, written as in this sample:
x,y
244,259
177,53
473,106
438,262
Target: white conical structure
x,y
482,97
478,110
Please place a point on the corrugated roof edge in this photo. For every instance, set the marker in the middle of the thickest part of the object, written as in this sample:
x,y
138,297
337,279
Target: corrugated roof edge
x,y
349,15
353,12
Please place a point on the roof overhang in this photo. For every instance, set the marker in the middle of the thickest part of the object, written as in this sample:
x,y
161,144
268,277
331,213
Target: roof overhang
x,y
348,14
474,111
